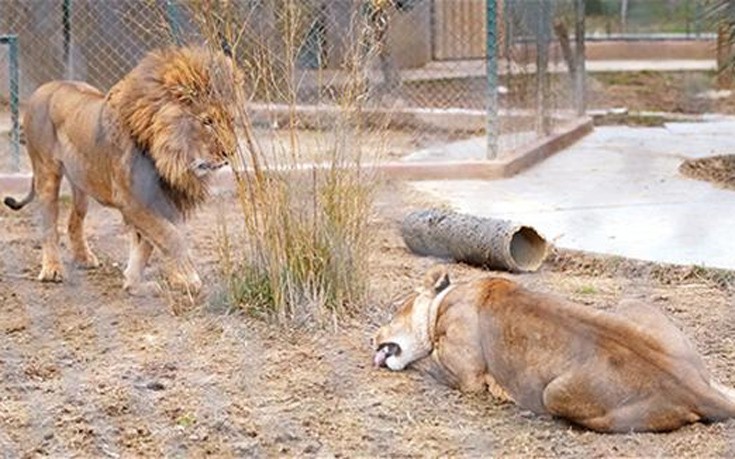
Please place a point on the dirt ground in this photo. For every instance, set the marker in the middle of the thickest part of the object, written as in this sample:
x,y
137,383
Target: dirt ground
x,y
88,371
719,170
673,92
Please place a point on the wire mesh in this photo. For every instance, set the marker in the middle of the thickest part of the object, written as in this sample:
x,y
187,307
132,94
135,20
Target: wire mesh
x,y
620,18
414,54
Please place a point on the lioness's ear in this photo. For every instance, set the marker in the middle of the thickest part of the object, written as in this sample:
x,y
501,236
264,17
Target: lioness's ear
x,y
442,283
436,279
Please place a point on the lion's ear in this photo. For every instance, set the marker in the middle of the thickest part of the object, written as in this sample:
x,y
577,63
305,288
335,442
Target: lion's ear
x,y
436,279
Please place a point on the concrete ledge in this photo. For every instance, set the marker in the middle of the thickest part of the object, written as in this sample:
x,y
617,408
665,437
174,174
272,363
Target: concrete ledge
x,y
519,160
18,184
509,165
543,148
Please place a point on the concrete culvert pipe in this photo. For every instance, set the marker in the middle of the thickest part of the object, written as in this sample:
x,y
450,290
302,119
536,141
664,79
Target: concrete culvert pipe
x,y
486,242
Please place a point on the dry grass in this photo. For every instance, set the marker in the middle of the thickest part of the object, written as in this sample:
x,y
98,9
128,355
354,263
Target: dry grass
x,y
302,257
599,266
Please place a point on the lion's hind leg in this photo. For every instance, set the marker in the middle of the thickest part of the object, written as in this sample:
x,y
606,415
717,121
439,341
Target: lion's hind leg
x,y
47,187
166,237
83,256
140,253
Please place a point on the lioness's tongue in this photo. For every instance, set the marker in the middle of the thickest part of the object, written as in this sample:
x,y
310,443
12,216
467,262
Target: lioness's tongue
x,y
380,356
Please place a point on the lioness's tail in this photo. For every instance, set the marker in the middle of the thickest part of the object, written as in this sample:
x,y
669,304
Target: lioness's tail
x,y
17,205
722,405
727,391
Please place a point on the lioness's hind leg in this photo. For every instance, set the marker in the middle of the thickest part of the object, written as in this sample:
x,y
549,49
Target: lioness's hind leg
x,y
83,256
572,396
593,399
47,187
652,414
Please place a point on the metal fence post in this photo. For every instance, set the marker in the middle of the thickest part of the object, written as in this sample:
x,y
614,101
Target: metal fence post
x,y
542,63
580,89
174,22
507,27
66,26
491,55
12,42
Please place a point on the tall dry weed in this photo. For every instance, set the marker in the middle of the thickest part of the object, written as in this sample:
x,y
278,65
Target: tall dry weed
x,y
302,256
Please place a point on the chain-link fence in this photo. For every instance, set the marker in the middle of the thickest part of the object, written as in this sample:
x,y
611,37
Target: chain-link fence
x,y
670,18
416,54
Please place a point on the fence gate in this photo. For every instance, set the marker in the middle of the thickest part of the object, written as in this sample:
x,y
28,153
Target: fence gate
x,y
458,29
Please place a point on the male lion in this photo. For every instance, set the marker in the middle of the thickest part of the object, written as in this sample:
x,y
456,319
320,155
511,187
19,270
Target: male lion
x,y
632,370
147,148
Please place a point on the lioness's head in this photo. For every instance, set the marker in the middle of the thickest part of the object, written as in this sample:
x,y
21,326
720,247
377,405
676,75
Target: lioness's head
x,y
408,337
179,106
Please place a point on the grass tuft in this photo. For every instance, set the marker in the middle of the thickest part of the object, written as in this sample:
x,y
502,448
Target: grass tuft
x,y
302,255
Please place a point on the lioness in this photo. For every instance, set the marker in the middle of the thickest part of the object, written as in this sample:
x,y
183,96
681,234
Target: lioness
x,y
147,148
632,370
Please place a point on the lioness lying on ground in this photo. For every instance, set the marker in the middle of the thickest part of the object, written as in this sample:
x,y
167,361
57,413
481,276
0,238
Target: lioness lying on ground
x,y
147,148
632,370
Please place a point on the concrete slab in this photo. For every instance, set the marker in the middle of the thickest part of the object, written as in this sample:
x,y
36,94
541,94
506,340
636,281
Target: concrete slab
x,y
437,70
618,191
674,65
474,148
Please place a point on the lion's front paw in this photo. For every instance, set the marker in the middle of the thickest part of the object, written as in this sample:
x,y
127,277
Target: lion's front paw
x,y
87,260
143,289
188,284
51,272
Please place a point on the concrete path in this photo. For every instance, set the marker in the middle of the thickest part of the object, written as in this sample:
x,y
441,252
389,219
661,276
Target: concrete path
x,y
618,191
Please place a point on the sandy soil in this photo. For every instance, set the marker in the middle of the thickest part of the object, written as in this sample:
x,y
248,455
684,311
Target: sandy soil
x,y
88,371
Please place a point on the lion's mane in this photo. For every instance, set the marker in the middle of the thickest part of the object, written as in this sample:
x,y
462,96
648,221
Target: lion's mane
x,y
157,102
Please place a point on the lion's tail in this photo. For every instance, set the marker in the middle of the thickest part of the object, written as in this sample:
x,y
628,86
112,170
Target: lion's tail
x,y
17,205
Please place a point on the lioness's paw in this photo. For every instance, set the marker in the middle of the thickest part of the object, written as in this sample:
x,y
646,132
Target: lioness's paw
x,y
51,273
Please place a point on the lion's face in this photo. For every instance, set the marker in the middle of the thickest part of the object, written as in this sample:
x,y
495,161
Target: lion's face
x,y
179,106
213,129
